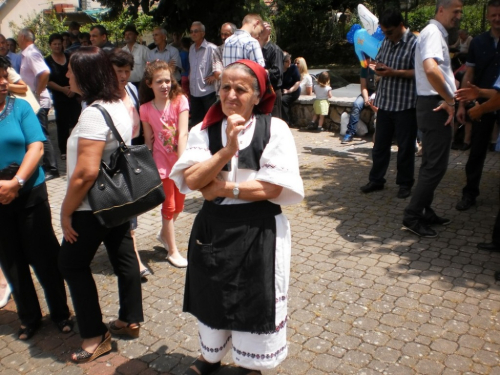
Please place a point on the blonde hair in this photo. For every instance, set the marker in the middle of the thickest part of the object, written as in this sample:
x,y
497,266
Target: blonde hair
x,y
302,67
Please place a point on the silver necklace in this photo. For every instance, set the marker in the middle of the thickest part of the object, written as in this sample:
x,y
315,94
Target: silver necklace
x,y
163,116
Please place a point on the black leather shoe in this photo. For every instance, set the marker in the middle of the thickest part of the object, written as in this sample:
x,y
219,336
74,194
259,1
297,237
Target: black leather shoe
x,y
419,229
465,203
369,187
436,220
404,192
488,246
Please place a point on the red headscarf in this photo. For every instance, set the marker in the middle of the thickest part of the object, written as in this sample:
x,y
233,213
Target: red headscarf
x,y
267,95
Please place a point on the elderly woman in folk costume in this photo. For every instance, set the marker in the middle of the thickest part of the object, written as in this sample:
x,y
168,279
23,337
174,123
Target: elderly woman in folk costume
x,y
245,164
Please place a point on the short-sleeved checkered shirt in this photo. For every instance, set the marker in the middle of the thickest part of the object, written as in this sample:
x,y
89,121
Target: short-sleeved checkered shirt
x,y
393,93
241,45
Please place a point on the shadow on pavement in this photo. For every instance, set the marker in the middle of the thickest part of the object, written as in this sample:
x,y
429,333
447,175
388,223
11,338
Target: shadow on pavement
x,y
368,224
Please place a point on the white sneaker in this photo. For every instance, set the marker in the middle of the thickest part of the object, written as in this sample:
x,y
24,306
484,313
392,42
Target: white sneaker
x,y
6,296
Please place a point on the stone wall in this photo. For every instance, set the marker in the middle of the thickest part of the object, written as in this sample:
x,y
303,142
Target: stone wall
x,y
302,112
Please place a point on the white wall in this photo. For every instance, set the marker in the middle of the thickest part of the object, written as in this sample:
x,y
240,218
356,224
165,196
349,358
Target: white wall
x,y
17,10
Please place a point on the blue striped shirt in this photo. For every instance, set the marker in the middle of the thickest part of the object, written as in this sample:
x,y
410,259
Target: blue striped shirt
x,y
241,45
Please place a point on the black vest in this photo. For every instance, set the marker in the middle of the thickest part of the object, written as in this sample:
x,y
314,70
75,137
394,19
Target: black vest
x,y
249,157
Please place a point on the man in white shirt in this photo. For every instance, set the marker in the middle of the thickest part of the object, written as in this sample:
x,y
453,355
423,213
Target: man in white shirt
x,y
201,75
243,44
435,84
169,54
139,52
36,73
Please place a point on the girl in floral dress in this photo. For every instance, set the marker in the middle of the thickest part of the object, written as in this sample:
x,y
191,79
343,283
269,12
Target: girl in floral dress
x,y
164,115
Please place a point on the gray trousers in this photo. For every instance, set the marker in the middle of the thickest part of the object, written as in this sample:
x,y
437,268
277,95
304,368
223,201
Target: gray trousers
x,y
436,142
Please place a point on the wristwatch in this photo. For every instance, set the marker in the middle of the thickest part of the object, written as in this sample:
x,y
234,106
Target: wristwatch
x,y
236,190
20,180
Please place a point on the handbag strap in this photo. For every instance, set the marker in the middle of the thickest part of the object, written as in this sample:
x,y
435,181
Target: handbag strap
x,y
133,95
111,125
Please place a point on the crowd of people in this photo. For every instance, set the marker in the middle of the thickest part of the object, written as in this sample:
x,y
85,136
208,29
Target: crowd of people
x,y
206,113
418,94
244,170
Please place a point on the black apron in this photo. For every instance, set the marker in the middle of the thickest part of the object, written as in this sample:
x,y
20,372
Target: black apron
x,y
231,253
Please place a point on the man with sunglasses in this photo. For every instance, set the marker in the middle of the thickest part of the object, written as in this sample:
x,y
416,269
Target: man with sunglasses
x,y
396,101
201,76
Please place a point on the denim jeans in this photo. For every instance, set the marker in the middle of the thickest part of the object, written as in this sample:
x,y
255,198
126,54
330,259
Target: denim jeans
x,y
357,107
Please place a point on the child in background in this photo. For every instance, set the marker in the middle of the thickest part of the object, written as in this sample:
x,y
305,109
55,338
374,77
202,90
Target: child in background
x,y
321,105
164,115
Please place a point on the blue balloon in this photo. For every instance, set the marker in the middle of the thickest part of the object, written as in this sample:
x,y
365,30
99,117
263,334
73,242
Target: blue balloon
x,y
365,45
378,34
350,34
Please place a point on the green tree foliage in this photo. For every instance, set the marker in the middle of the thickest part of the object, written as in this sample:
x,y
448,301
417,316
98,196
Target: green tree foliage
x,y
309,28
131,6
178,15
471,19
115,26
43,25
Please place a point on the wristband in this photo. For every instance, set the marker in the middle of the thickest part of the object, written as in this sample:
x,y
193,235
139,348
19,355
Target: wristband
x,y
451,105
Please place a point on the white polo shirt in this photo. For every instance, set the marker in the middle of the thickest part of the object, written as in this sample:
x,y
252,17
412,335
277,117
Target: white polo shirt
x,y
140,54
432,44
33,64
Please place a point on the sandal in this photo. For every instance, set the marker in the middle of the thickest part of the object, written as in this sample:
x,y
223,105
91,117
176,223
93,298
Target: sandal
x,y
127,330
82,356
204,368
63,324
29,331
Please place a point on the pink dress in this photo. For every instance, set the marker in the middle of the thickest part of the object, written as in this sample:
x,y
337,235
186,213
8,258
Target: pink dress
x,y
166,132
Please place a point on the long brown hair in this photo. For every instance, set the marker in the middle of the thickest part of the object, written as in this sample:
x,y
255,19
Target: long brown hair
x,y
146,93
94,75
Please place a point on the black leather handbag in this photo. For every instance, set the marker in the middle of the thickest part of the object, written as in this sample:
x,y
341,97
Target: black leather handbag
x,y
9,172
126,187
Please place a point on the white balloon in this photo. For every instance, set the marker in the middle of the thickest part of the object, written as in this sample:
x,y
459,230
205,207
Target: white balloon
x,y
368,19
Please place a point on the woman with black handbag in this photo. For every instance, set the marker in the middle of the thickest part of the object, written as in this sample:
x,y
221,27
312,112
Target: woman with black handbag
x,y
26,234
92,76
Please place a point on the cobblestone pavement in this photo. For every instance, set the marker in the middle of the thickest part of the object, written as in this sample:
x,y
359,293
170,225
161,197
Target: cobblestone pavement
x,y
365,296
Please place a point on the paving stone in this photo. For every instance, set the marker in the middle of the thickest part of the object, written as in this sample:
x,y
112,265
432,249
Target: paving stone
x,y
364,298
